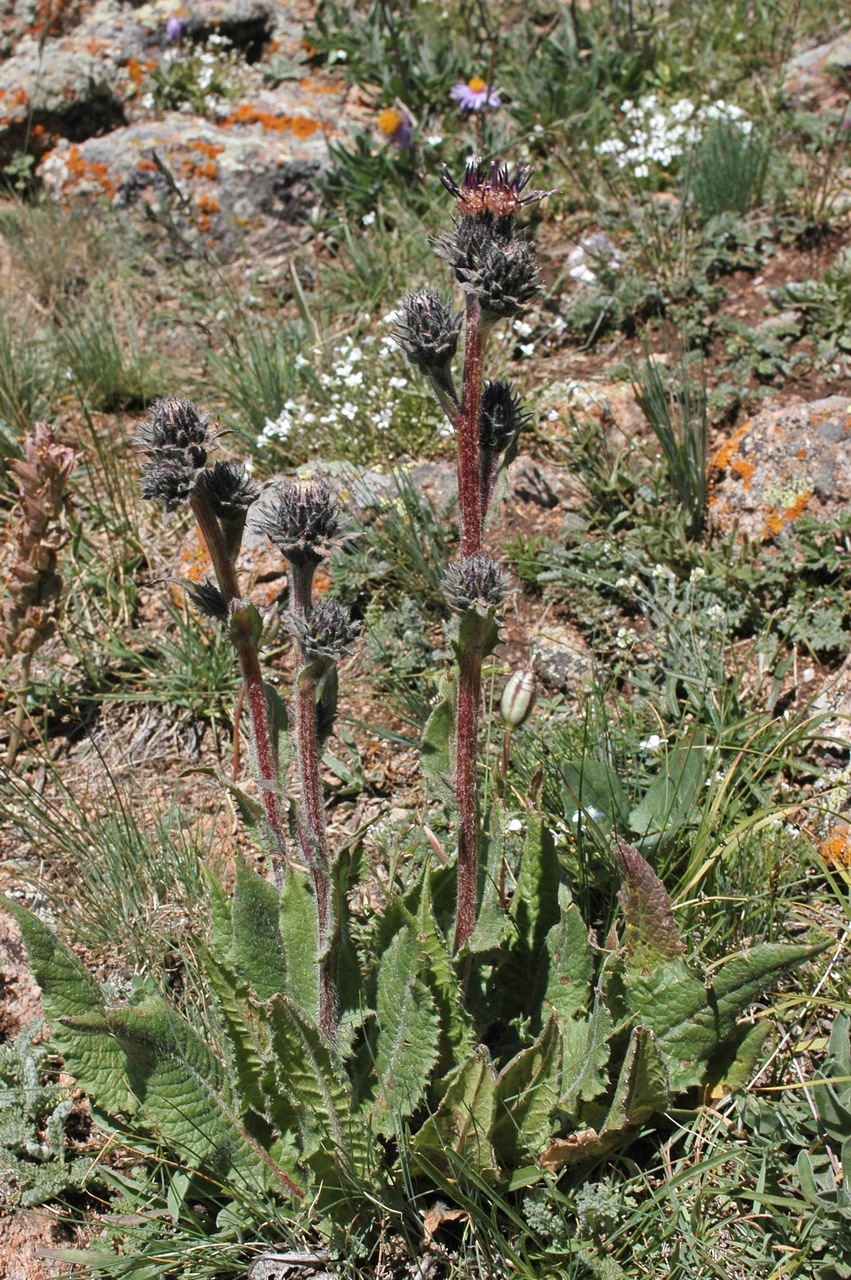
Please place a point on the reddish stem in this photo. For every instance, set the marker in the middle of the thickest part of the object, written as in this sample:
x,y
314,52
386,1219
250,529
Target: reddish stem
x,y
249,661
469,477
466,793
314,840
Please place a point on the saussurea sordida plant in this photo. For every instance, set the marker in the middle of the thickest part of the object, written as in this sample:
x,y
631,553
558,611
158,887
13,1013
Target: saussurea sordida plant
x,y
496,268
334,1080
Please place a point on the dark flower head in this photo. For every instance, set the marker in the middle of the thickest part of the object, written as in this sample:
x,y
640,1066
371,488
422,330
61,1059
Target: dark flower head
x,y
327,631
302,519
171,482
501,419
493,263
428,331
206,598
491,190
475,582
175,428
230,489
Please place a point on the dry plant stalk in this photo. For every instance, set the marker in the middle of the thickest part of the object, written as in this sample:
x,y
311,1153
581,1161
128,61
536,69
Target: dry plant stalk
x,y
31,590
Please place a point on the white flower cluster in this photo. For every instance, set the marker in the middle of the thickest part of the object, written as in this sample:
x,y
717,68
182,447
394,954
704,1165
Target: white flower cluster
x,y
366,389
658,133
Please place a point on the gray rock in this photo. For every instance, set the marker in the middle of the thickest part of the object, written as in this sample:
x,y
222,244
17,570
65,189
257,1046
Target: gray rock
x,y
63,88
561,658
811,78
250,177
783,463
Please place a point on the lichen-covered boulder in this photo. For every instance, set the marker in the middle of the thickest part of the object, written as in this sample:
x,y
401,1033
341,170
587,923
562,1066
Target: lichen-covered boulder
x,y
780,464
815,77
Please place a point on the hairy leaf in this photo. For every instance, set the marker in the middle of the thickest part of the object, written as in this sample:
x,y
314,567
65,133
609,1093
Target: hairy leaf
x,y
570,962
455,1022
407,1041
309,1078
696,1022
92,1058
493,925
257,950
585,1053
437,755
182,1088
299,933
642,1087
651,931
527,1091
463,1123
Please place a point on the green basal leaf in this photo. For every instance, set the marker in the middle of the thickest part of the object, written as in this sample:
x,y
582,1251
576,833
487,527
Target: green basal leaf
x,y
305,1073
696,1022
299,933
407,1042
437,756
182,1089
257,949
535,905
527,1092
279,728
642,1087
456,1038
493,924
68,991
585,1053
736,1076
463,1122
570,963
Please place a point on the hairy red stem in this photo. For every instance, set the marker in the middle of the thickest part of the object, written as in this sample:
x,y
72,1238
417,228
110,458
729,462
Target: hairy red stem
x,y
469,478
466,793
249,661
314,838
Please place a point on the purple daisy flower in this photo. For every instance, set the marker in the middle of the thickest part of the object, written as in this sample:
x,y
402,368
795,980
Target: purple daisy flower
x,y
174,27
475,95
395,127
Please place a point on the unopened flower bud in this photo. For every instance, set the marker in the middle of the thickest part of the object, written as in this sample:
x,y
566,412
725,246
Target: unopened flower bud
x,y
302,520
518,698
493,263
231,490
207,599
475,583
501,418
428,331
327,631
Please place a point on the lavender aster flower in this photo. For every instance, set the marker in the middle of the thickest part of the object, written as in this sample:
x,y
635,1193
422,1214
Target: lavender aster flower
x,y
396,128
174,26
475,95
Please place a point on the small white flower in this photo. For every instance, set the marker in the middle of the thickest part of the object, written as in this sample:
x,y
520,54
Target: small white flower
x,y
514,825
433,140
526,348
368,218
521,327
590,811
653,745
397,384
301,362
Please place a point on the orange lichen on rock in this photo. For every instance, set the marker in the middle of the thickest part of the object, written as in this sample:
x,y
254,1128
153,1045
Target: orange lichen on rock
x,y
208,205
135,72
722,459
835,850
302,126
207,170
208,149
86,170
744,470
781,516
